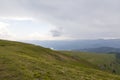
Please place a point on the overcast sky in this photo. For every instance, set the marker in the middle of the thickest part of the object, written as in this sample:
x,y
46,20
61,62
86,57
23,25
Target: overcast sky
x,y
59,19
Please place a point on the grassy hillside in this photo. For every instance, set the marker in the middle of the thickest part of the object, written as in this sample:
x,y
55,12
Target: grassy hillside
x,y
19,61
106,62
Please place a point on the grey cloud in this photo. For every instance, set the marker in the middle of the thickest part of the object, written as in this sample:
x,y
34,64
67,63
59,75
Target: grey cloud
x,y
78,18
55,33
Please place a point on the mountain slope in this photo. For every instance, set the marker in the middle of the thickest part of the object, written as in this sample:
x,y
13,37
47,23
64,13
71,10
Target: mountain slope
x,y
107,62
20,61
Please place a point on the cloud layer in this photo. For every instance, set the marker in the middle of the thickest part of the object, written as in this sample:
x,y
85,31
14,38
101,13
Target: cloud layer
x,y
77,19
4,32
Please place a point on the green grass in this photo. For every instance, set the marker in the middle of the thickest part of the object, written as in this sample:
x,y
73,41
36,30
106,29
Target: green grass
x,y
106,62
20,61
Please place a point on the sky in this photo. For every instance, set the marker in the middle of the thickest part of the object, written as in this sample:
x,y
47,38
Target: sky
x,y
59,19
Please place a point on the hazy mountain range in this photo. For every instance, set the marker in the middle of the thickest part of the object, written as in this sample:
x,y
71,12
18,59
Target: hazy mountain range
x,y
100,50
78,44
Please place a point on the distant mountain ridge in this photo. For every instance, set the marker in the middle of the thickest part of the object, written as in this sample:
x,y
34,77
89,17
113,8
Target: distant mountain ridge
x,y
77,44
101,50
